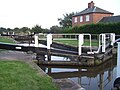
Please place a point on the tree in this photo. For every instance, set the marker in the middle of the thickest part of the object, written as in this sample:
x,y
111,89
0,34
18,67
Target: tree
x,y
55,29
25,30
67,20
2,30
16,30
37,29
46,30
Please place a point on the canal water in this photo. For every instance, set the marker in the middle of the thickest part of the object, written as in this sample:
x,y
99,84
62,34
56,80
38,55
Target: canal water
x,y
91,78
99,77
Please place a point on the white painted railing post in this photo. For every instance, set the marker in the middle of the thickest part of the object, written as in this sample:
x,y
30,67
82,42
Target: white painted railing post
x,y
29,32
13,33
118,60
103,42
112,37
81,41
90,42
8,33
36,40
49,40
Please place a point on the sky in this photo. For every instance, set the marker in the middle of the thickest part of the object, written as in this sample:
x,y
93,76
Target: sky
x,y
28,13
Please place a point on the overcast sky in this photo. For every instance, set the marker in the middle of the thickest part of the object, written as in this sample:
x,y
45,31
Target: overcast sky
x,y
27,13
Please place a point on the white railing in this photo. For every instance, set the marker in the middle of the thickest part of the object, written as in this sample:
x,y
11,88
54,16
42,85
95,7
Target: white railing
x,y
81,42
106,38
118,60
103,38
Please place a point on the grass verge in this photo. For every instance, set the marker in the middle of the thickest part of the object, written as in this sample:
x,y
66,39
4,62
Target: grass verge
x,y
6,40
75,42
18,75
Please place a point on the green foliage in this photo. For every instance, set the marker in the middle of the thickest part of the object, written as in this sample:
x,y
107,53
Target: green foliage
x,y
66,21
97,62
16,30
24,30
2,30
96,28
67,28
17,75
56,29
37,29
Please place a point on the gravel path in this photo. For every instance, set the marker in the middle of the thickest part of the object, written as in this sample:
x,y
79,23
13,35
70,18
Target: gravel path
x,y
15,55
22,56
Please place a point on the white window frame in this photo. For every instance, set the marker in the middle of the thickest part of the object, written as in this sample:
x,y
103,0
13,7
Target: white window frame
x,y
81,18
87,18
75,19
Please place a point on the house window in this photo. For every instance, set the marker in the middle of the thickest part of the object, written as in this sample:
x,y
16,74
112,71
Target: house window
x,y
87,18
75,20
81,18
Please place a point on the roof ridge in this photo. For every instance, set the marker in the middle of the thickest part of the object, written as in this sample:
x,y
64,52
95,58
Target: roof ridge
x,y
103,10
94,9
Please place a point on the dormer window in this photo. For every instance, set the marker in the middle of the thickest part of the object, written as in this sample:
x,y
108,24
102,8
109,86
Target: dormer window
x,y
75,19
81,18
87,18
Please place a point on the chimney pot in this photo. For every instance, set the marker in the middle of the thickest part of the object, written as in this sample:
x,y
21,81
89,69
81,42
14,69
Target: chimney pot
x,y
91,4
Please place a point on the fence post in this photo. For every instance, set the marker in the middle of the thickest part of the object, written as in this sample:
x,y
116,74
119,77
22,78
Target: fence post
x,y
36,40
103,42
80,38
8,33
49,40
13,33
112,37
118,60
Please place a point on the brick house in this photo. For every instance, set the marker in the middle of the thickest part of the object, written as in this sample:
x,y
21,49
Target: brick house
x,y
92,14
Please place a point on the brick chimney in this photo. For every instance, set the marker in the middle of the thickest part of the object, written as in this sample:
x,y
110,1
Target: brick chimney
x,y
91,4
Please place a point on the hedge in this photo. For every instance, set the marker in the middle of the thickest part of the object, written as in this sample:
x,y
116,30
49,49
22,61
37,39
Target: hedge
x,y
95,28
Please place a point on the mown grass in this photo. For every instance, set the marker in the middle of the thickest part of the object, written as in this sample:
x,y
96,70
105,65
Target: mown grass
x,y
6,40
75,42
18,75
68,42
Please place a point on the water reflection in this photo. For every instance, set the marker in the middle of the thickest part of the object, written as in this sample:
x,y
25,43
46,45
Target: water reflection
x,y
91,78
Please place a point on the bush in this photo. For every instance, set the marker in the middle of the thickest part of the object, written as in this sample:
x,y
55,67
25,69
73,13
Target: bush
x,y
95,28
